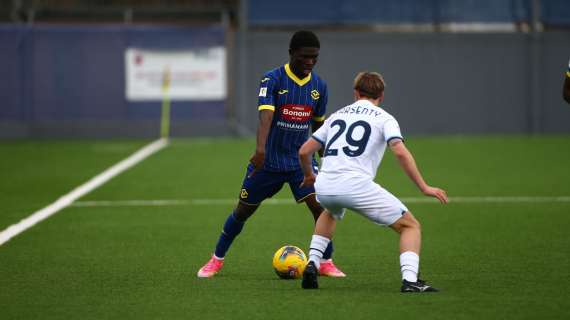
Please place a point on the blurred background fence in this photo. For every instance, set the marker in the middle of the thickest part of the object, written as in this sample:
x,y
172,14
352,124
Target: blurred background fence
x,y
452,67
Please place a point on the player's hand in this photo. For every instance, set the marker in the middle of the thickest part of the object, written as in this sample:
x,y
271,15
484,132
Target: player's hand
x,y
308,181
438,193
257,161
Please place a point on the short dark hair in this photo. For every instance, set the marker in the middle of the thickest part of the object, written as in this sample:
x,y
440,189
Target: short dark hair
x,y
369,84
304,38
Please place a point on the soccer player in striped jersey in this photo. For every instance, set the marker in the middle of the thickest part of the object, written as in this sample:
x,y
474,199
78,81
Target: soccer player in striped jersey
x,y
292,100
566,90
355,138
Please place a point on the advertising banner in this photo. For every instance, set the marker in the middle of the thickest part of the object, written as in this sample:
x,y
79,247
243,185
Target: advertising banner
x,y
182,75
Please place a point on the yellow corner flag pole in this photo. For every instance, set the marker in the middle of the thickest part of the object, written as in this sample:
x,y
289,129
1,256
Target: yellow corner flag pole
x,y
165,117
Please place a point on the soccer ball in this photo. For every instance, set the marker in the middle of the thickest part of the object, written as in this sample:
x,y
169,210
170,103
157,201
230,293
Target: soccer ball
x,y
289,262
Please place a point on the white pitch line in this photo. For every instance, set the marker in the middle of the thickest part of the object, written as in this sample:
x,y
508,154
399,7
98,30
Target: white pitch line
x,y
178,202
82,190
167,203
131,203
513,199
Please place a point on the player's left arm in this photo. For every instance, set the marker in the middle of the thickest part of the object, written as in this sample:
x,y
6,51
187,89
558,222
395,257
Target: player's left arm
x,y
319,117
316,124
305,158
566,89
408,164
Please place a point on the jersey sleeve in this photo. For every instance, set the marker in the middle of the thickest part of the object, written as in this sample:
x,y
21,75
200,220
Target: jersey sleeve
x,y
392,130
319,114
321,134
266,98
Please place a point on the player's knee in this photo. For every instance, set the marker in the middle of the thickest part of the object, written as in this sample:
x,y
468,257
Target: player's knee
x,y
327,215
407,222
315,207
243,212
411,221
317,211
417,225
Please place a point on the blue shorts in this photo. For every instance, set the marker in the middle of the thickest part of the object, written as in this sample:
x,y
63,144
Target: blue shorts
x,y
264,184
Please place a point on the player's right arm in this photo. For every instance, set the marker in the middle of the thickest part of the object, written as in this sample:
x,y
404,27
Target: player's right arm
x,y
265,119
407,162
266,107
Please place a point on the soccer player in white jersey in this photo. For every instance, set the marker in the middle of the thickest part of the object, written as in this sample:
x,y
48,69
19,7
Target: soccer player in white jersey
x,y
355,138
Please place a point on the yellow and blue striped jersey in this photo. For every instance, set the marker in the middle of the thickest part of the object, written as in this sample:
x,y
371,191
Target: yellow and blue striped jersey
x,y
296,103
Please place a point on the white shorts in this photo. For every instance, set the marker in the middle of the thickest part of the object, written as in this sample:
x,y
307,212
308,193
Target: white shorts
x,y
372,201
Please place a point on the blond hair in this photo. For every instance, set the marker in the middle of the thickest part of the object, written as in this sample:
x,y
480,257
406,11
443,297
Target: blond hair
x,y
369,84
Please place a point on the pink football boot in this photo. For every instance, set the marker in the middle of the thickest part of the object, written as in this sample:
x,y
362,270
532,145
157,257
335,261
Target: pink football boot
x,y
328,269
211,267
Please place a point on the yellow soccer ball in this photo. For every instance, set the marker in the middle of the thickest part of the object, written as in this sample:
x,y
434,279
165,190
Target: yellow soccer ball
x,y
289,262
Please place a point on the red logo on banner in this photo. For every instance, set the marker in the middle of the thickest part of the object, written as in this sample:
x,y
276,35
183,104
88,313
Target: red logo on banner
x,y
138,59
296,112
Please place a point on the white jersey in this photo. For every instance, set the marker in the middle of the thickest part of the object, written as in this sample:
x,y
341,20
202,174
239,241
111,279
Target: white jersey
x,y
355,139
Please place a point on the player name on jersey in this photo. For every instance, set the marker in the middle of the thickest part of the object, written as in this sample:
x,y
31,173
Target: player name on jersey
x,y
356,109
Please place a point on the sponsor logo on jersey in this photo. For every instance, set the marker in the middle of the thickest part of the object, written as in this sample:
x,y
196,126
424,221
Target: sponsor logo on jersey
x,y
265,79
315,95
293,126
296,112
282,91
262,92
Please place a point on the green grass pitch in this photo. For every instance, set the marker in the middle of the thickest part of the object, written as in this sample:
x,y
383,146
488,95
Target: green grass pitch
x,y
492,260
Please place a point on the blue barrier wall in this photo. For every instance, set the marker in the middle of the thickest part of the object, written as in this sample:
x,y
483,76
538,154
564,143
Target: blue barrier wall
x,y
437,83
555,12
14,42
355,12
70,80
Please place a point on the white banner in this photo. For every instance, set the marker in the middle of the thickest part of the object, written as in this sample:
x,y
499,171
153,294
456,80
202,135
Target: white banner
x,y
192,74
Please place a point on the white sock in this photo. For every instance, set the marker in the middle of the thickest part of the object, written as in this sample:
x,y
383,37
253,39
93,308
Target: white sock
x,y
317,249
409,265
